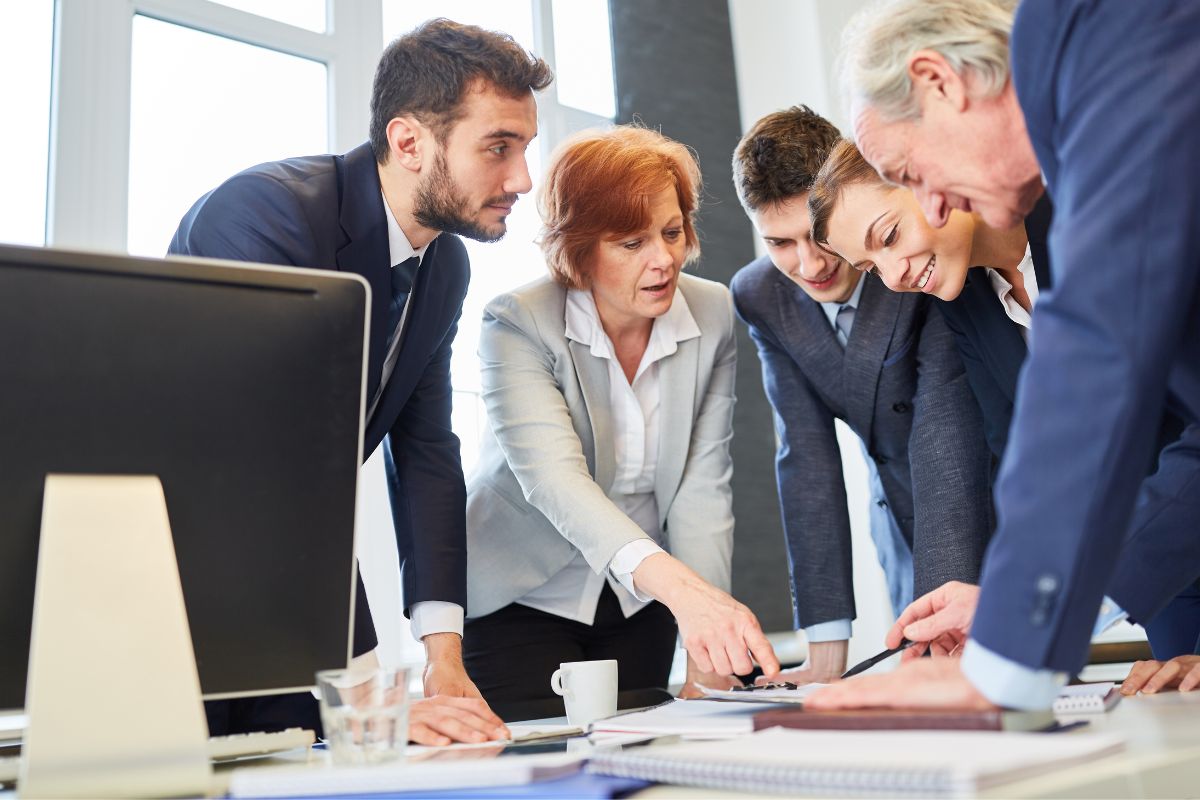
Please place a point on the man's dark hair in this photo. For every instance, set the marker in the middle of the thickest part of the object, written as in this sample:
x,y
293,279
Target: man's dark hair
x,y
780,156
427,71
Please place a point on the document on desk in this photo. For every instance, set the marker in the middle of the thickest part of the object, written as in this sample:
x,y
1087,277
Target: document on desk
x,y
870,763
771,693
405,775
693,719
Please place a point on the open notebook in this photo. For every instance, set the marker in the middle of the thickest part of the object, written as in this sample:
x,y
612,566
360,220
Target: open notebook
x,y
916,764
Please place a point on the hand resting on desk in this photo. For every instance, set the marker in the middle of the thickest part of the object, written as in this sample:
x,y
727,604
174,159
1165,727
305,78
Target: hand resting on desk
x,y
442,720
925,683
1148,677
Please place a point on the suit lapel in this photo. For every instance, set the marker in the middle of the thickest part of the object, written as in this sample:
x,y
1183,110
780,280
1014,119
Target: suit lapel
x,y
878,309
806,331
592,374
999,339
366,249
677,408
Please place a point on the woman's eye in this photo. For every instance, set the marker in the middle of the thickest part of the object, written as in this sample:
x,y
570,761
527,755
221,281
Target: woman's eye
x,y
890,239
672,234
632,245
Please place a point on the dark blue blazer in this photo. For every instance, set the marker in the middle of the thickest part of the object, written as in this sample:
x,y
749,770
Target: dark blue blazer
x,y
1108,92
990,343
326,212
900,385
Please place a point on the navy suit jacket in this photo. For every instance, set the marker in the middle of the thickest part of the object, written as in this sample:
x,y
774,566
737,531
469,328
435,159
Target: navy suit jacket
x,y
991,344
326,212
899,384
1108,92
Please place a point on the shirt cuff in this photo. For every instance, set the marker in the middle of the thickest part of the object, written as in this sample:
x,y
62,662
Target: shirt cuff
x,y
627,559
435,616
836,630
1110,614
1009,684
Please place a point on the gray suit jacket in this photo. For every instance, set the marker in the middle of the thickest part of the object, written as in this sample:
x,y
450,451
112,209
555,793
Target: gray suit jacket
x,y
539,493
900,385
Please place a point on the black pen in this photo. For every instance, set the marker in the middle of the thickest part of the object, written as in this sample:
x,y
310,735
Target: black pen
x,y
873,660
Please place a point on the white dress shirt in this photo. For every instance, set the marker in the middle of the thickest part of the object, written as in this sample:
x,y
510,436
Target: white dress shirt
x,y
431,616
574,591
1004,289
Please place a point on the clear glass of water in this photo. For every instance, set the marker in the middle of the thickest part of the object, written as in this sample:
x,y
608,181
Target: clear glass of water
x,y
364,713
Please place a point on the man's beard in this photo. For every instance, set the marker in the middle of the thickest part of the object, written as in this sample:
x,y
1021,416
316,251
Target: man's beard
x,y
442,206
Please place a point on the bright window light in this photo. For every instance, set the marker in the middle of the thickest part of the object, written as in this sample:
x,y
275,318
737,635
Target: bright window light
x,y
583,56
204,107
26,34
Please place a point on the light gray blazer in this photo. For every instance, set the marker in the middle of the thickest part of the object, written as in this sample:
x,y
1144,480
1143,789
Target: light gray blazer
x,y
539,493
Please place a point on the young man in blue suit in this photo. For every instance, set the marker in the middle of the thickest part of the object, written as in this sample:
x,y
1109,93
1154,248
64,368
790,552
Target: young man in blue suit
x,y
837,344
452,112
1101,104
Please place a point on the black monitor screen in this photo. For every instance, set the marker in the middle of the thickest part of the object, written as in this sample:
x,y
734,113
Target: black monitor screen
x,y
241,388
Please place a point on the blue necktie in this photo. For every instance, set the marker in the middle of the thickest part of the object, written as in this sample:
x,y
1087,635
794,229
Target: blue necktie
x,y
844,322
402,282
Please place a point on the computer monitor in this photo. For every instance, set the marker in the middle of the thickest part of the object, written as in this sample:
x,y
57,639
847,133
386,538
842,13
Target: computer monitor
x,y
241,387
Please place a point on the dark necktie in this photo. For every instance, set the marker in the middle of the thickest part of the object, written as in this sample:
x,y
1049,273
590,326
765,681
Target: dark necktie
x,y
402,282
844,321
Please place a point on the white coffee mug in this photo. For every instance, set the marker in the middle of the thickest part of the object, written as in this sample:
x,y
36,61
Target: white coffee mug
x,y
589,689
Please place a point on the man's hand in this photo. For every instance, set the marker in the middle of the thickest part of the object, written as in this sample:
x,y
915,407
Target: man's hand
x,y
442,720
825,664
716,629
445,674
927,683
1148,677
696,679
939,621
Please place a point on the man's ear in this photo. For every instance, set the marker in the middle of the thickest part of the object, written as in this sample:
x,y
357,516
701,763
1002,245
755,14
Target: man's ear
x,y
407,141
933,79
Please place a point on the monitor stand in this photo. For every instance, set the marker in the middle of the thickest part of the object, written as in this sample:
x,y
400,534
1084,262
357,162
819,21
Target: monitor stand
x,y
113,696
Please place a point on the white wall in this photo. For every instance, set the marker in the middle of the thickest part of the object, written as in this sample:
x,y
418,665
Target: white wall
x,y
784,52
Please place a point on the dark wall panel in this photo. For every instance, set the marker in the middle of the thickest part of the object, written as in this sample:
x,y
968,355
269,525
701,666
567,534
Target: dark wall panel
x,y
674,71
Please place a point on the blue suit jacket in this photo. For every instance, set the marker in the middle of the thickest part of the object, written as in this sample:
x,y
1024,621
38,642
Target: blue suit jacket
x,y
326,212
1108,92
899,384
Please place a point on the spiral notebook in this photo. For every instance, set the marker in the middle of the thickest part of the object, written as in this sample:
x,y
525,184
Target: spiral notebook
x,y
864,763
1087,698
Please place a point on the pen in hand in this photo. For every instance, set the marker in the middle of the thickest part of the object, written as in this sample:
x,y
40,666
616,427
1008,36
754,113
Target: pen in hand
x,y
863,666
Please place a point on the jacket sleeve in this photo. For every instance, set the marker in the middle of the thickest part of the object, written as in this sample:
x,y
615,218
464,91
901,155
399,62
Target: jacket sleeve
x,y
532,425
950,464
1115,124
700,521
425,482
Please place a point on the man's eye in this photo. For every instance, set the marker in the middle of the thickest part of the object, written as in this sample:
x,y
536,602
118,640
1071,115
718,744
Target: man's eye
x,y
499,149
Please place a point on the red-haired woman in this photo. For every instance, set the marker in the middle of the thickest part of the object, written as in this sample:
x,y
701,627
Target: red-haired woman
x,y
600,515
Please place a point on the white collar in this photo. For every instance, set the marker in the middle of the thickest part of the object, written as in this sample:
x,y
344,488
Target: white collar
x,y
583,325
399,250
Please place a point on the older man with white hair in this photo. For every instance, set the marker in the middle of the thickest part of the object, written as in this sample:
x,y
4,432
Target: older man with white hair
x,y
1101,103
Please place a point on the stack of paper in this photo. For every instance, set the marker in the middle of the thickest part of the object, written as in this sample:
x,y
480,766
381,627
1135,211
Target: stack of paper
x,y
697,719
868,762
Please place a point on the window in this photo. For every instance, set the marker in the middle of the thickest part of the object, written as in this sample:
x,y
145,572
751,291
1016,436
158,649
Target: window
x,y
26,34
309,14
211,106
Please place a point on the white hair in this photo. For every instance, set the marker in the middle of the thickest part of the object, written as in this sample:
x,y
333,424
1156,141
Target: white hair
x,y
877,43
